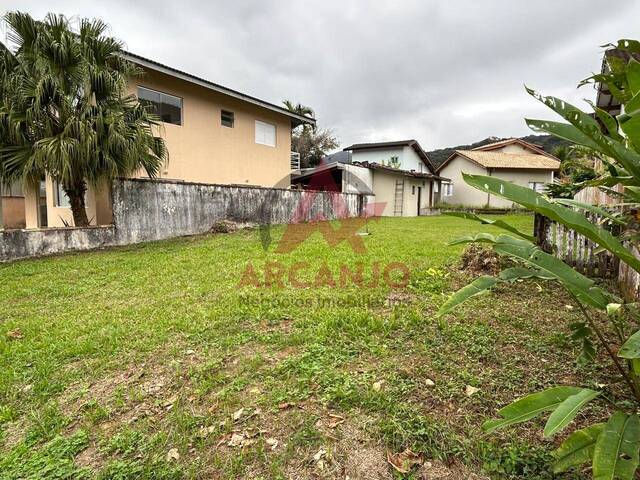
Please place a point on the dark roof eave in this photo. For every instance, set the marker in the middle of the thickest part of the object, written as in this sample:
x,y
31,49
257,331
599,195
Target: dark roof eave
x,y
153,65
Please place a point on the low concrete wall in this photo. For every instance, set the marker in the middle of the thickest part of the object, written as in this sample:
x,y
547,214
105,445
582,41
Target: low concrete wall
x,y
146,210
16,244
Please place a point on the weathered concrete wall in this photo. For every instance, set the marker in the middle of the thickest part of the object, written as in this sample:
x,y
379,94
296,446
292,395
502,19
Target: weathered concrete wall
x,y
16,244
146,210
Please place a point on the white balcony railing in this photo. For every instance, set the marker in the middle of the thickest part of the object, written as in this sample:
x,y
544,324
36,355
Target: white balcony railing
x,y
295,161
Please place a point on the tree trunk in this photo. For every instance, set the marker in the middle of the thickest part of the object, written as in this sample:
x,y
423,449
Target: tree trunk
x,y
76,199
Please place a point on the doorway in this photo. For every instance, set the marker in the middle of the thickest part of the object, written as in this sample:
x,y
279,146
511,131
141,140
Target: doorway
x,y
419,199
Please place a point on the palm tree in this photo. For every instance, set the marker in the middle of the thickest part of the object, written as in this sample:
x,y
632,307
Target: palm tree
x,y
300,109
64,110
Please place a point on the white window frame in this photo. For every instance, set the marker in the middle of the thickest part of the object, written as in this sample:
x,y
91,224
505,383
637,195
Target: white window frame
x,y
260,137
447,189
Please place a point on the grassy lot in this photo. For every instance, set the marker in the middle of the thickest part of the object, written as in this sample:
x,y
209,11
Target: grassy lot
x,y
152,362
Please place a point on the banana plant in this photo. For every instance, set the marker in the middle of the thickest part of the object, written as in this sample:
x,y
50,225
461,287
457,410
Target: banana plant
x,y
612,447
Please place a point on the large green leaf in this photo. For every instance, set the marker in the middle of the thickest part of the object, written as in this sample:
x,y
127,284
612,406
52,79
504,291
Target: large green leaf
x,y
479,286
530,406
518,273
577,449
588,126
561,130
633,76
496,223
615,456
568,410
590,208
631,348
483,284
567,216
546,265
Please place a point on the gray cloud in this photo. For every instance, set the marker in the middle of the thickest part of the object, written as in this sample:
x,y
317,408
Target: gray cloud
x,y
444,73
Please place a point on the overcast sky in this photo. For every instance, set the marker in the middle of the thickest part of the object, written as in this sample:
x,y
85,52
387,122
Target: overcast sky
x,y
442,72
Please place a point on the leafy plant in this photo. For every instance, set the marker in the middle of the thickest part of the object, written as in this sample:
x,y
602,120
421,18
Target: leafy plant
x,y
64,110
576,168
613,447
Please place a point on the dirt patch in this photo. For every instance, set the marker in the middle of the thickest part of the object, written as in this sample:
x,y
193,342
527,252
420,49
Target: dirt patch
x,y
480,260
436,470
91,458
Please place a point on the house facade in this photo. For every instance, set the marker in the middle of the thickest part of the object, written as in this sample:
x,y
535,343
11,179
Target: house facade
x,y
214,135
399,174
512,160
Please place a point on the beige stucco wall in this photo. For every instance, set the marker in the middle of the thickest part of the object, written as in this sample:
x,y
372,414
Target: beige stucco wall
x,y
463,194
384,187
13,212
202,150
466,195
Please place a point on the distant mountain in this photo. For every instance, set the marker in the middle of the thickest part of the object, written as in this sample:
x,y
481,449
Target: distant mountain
x,y
547,142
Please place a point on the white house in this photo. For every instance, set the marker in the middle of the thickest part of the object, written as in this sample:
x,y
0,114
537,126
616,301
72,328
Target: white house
x,y
403,154
399,174
513,160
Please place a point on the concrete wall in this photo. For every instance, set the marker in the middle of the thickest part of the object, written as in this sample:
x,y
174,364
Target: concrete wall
x,y
146,210
17,244
357,179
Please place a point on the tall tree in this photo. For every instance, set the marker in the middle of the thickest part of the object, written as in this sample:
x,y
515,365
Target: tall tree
x,y
64,110
312,144
300,109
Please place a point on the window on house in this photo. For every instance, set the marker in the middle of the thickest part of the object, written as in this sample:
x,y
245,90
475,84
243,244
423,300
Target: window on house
x,y
537,186
226,118
13,190
61,199
447,189
265,133
167,107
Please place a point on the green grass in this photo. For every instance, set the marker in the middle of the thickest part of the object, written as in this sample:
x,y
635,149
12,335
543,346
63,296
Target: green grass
x,y
127,354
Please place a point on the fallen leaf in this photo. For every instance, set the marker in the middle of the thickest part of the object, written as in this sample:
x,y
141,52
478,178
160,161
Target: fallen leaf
x,y
15,334
206,431
469,390
377,386
173,455
237,440
569,307
335,420
404,462
238,414
429,383
272,442
319,455
286,405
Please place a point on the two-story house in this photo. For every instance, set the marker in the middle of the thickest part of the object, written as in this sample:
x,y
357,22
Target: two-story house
x,y
213,134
